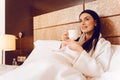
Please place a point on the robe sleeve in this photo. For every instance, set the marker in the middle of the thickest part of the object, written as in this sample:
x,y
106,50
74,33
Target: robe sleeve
x,y
96,64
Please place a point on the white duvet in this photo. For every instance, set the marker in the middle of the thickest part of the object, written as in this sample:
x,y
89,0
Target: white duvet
x,y
52,66
47,63
44,64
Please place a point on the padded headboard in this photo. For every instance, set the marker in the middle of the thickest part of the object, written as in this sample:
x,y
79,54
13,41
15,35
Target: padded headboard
x,y
51,25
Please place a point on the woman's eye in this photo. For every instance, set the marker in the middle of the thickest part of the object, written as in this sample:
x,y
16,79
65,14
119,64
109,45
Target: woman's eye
x,y
80,20
86,18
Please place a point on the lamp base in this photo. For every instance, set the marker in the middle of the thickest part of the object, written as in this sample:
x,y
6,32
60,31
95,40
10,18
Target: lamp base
x,y
3,57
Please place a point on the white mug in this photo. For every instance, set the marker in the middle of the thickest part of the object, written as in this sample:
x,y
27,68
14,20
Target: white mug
x,y
73,34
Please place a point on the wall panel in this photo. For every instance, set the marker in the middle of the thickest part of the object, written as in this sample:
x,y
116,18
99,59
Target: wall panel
x,y
104,7
67,15
51,25
110,26
54,33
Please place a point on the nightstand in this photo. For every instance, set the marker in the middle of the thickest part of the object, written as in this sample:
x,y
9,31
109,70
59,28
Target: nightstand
x,y
20,58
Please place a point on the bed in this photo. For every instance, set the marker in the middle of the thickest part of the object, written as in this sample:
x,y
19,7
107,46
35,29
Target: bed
x,y
43,47
47,31
110,30
62,21
30,71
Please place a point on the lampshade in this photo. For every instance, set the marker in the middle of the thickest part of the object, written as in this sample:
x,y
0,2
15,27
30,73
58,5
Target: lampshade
x,y
7,42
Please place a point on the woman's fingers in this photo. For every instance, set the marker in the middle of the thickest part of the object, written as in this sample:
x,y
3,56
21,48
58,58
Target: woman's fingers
x,y
65,36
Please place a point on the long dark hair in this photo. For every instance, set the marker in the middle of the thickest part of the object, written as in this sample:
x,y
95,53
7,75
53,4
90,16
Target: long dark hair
x,y
88,44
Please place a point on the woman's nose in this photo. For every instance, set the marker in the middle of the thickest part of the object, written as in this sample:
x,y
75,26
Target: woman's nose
x,y
83,22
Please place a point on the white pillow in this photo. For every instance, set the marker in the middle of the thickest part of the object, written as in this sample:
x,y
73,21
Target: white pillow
x,y
42,47
51,44
115,61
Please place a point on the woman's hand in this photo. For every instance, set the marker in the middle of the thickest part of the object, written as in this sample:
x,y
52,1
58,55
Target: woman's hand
x,y
64,37
73,45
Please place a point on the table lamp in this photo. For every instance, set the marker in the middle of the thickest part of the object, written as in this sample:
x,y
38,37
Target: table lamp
x,y
7,43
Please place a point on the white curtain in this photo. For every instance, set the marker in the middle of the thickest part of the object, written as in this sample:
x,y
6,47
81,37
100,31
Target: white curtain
x,y
2,22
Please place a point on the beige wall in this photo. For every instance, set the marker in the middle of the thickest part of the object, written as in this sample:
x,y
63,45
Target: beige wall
x,y
51,25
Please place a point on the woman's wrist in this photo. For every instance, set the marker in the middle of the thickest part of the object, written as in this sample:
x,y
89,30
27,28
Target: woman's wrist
x,y
80,50
62,44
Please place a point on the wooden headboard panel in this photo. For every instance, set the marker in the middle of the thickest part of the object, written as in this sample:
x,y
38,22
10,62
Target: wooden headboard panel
x,y
110,28
51,25
54,32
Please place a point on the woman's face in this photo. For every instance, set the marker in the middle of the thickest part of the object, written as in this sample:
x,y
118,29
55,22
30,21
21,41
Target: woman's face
x,y
87,23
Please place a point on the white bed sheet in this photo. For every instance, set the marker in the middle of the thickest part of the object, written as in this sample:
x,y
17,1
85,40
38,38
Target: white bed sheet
x,y
6,68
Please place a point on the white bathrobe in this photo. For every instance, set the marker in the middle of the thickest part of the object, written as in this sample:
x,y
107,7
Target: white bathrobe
x,y
62,65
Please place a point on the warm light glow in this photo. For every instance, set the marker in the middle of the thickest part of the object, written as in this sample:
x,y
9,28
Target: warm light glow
x,y
7,42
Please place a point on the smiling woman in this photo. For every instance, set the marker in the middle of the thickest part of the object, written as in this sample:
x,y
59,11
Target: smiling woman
x,y
90,59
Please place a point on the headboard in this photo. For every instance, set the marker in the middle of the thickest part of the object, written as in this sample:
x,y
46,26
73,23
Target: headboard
x,y
51,25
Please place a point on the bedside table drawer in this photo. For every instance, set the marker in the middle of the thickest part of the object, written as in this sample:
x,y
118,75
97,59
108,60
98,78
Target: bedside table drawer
x,y
20,58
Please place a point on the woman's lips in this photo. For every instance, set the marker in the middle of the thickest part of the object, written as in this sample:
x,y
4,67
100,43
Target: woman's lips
x,y
84,27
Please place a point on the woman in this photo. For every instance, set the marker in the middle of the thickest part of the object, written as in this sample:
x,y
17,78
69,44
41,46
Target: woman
x,y
93,51
91,59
